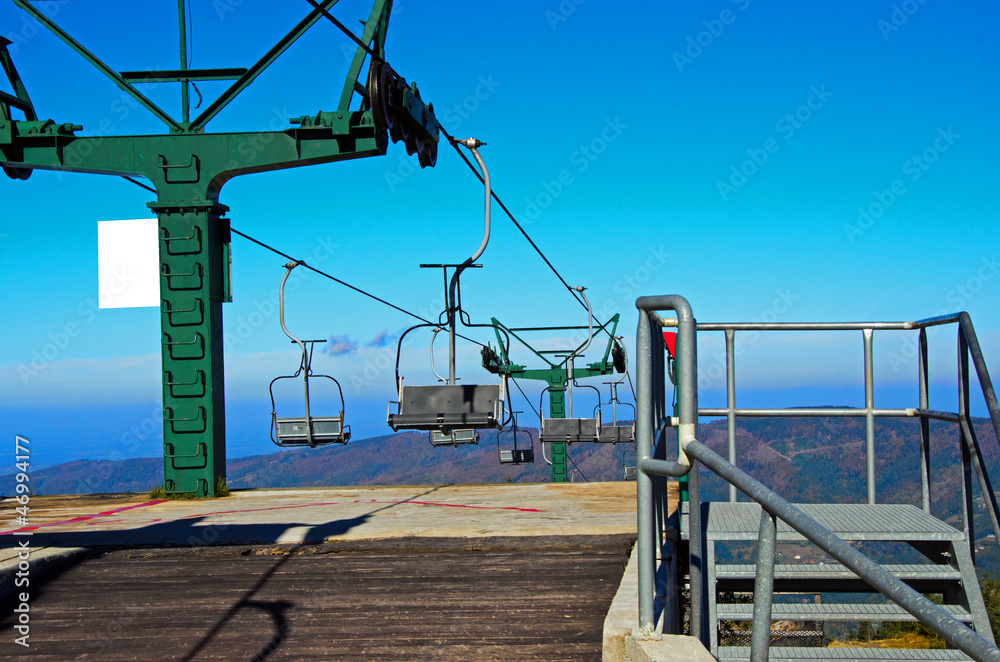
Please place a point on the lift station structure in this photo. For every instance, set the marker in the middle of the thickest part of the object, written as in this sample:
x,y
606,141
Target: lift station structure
x,y
188,166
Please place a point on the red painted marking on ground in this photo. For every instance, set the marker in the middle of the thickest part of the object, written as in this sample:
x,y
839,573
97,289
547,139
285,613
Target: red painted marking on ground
x,y
84,518
254,510
461,505
334,503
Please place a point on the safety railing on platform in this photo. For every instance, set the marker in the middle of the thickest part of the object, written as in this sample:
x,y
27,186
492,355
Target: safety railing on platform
x,y
653,422
968,345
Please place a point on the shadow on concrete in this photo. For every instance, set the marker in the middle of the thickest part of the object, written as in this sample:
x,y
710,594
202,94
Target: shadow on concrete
x,y
187,533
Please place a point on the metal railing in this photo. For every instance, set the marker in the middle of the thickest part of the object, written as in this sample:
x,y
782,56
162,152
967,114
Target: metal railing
x,y
652,423
968,345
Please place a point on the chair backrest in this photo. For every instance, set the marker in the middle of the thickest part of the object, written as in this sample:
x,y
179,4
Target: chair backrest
x,y
451,399
570,429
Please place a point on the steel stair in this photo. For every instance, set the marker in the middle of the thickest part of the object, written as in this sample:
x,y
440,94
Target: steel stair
x,y
947,569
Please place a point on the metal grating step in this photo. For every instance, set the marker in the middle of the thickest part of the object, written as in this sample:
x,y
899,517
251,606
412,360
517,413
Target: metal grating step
x,y
853,521
924,571
831,612
832,577
790,654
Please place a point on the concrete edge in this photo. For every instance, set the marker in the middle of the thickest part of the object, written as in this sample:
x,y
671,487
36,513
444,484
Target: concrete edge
x,y
623,614
41,561
673,647
621,642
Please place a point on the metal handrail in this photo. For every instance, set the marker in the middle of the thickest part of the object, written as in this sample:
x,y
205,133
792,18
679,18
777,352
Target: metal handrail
x,y
651,416
925,611
971,452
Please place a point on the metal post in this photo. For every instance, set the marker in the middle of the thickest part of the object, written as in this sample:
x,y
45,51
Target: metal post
x,y
869,415
925,423
687,406
981,371
968,505
697,553
194,282
968,333
687,401
645,426
985,485
731,401
763,588
659,449
569,386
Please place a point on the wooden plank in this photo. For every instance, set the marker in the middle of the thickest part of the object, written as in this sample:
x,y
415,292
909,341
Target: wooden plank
x,y
494,602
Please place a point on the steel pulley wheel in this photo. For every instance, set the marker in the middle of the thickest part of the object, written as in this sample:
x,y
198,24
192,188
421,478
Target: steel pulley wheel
x,y
618,357
17,173
394,132
429,154
380,76
404,134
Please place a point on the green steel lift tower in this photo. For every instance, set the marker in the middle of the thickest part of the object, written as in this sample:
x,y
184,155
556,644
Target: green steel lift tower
x,y
188,166
557,375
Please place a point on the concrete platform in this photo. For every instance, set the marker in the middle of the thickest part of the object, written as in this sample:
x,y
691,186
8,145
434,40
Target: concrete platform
x,y
444,572
472,571
291,516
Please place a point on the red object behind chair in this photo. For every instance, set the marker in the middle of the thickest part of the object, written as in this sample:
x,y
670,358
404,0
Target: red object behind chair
x,y
670,340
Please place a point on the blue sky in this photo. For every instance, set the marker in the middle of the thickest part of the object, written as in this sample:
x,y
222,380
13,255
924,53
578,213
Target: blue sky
x,y
790,160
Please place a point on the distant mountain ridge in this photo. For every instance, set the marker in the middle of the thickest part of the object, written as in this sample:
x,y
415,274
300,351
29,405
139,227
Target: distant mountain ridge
x,y
399,459
803,459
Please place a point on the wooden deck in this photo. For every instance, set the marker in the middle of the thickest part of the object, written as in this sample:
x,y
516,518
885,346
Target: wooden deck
x,y
530,598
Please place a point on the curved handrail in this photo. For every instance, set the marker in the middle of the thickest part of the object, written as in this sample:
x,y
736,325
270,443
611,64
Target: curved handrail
x,y
472,144
437,330
281,317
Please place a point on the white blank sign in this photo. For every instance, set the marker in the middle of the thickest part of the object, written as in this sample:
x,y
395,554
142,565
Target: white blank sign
x,y
128,259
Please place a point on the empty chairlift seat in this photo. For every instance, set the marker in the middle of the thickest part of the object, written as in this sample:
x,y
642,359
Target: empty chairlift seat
x,y
629,465
306,430
515,455
570,430
445,408
454,438
325,430
617,434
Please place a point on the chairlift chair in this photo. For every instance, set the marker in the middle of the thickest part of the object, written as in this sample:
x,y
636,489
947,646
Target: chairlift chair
x,y
515,455
571,430
307,430
452,413
630,470
613,433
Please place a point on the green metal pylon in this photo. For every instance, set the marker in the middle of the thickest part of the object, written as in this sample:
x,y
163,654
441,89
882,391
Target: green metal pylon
x,y
188,167
557,409
557,375
194,283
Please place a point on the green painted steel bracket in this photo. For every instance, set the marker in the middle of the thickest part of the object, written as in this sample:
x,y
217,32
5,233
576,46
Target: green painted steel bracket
x,y
503,365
